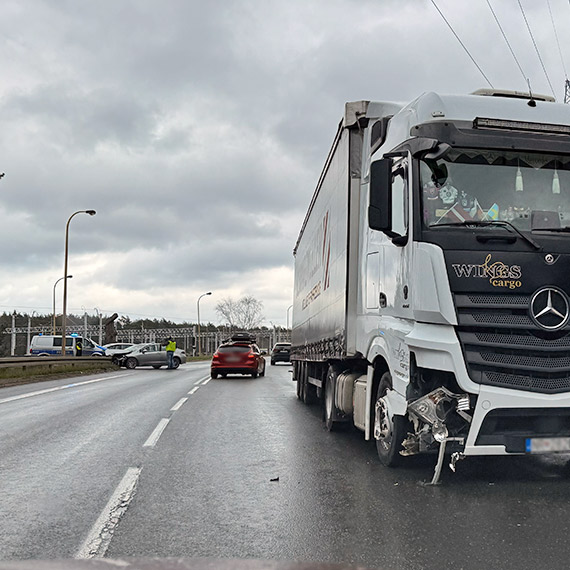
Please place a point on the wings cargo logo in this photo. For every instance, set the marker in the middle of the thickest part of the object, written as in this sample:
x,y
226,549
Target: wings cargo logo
x,y
498,273
320,259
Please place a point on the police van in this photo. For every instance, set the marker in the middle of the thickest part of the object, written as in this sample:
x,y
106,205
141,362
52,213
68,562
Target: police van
x,y
50,345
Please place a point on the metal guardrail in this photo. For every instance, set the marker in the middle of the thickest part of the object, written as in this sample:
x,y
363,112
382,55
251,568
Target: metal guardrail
x,y
24,362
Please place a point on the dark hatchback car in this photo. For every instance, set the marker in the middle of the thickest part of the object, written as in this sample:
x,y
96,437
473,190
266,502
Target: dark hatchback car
x,y
238,355
281,352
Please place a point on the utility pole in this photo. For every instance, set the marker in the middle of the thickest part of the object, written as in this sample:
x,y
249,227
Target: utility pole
x,y
567,91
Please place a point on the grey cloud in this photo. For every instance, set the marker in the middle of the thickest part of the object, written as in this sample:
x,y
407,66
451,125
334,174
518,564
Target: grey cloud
x,y
78,120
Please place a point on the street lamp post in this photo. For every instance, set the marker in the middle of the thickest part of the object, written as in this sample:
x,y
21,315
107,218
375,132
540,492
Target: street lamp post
x,y
53,317
100,325
64,317
198,306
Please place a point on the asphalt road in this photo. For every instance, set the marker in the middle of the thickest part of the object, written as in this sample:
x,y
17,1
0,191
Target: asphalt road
x,y
169,464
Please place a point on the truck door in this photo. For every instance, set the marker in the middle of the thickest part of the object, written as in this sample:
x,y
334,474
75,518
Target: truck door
x,y
394,281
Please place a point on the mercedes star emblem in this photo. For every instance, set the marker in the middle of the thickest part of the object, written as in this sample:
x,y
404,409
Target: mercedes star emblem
x,y
549,308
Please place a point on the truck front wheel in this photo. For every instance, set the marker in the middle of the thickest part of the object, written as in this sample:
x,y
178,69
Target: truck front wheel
x,y
393,428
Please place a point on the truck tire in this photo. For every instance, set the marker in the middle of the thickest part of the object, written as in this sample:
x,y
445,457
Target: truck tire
x,y
395,428
308,391
328,405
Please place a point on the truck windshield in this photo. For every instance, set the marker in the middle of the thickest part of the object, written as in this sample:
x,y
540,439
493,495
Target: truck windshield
x,y
531,191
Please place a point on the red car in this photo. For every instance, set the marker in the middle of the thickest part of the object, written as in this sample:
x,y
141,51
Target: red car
x,y
238,355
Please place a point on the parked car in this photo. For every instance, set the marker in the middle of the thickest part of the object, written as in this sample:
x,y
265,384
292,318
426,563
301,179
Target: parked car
x,y
148,354
75,345
116,348
238,355
281,352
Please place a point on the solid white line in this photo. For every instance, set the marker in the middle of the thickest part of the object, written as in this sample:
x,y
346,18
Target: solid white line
x,y
101,533
194,390
206,381
178,405
153,438
48,390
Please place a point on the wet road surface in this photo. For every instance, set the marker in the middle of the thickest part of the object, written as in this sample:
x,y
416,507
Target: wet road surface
x,y
165,463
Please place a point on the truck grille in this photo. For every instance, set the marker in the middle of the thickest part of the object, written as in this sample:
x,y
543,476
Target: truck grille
x,y
504,347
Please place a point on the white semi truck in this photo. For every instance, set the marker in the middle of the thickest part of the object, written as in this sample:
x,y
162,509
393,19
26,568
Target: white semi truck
x,y
432,277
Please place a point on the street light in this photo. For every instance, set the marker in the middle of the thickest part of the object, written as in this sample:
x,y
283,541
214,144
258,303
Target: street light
x,y
64,318
53,318
100,325
199,338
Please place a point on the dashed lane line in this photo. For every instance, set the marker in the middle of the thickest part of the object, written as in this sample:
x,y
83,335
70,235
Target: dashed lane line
x,y
206,381
178,404
101,533
194,390
200,380
57,388
153,438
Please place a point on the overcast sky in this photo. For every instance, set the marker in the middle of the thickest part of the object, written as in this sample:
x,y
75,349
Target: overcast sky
x,y
197,130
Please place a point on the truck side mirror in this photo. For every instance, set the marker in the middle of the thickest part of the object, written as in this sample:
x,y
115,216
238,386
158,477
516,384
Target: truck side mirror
x,y
380,204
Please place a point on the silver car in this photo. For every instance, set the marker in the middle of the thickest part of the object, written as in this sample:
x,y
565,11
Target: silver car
x,y
148,354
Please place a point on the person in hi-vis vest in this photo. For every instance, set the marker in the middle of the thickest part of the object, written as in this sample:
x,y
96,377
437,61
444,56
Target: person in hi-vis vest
x,y
170,348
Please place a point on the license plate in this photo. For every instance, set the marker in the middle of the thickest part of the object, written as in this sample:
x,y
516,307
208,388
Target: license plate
x,y
232,359
547,444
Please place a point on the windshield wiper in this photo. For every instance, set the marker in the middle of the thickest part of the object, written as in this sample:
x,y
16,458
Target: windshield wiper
x,y
499,223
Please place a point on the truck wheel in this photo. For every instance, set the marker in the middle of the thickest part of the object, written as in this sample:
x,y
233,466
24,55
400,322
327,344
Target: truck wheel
x,y
297,377
131,363
329,407
393,429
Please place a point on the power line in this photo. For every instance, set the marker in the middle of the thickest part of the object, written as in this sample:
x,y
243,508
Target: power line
x,y
557,40
506,40
462,44
536,48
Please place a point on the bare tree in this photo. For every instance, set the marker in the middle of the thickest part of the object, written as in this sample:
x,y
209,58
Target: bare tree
x,y
242,314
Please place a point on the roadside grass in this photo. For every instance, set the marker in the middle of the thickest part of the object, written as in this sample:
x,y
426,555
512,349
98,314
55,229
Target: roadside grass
x,y
27,374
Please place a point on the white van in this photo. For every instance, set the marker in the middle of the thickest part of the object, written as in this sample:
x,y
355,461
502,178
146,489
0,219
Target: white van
x,y
50,345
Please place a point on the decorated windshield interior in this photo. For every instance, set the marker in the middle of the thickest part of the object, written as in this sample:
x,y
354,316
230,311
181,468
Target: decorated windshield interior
x,y
531,191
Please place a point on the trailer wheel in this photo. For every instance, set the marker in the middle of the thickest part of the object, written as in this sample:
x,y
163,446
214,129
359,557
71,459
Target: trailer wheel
x,y
308,391
329,408
393,429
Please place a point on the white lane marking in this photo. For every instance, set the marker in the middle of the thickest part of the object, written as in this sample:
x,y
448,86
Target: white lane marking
x,y
153,438
194,390
101,533
206,381
201,380
178,404
48,390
